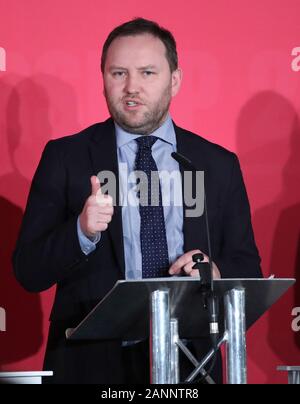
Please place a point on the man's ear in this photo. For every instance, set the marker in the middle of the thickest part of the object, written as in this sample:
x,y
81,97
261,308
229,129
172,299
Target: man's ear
x,y
176,81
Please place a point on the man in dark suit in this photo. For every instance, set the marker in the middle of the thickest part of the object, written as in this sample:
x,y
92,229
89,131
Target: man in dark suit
x,y
83,241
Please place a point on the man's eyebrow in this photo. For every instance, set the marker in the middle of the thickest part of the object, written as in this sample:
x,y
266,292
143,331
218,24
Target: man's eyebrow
x,y
147,67
114,67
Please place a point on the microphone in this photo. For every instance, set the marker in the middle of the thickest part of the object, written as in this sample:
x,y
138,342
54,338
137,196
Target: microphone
x,y
206,276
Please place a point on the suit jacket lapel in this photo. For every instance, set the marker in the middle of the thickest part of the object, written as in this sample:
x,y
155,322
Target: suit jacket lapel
x,y
103,153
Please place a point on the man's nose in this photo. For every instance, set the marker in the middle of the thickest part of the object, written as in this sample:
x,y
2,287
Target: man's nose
x,y
132,85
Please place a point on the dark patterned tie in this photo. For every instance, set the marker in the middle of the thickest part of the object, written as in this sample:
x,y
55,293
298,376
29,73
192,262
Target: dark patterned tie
x,y
154,247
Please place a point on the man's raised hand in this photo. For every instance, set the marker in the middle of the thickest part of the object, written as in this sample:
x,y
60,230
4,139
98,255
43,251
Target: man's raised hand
x,y
97,211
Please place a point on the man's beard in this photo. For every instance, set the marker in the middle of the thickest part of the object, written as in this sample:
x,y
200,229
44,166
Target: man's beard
x,y
151,119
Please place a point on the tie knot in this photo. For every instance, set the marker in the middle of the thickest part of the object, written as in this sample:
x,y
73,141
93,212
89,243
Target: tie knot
x,y
146,142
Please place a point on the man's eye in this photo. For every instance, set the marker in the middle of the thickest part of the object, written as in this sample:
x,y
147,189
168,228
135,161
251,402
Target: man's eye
x,y
148,73
118,74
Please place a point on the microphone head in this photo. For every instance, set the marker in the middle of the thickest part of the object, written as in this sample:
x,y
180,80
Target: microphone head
x,y
198,257
185,162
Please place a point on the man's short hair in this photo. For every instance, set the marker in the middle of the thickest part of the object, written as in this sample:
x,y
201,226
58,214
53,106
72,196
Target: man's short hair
x,y
139,26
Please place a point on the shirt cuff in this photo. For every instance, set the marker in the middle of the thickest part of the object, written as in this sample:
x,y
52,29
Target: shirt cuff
x,y
87,245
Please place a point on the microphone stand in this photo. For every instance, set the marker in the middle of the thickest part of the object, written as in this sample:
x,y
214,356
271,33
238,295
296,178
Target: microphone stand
x,y
206,276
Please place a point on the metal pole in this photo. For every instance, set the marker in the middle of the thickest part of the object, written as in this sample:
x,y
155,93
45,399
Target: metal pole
x,y
293,373
294,377
236,344
160,337
174,375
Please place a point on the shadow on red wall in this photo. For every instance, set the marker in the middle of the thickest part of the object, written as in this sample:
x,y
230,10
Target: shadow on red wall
x,y
268,138
27,107
23,336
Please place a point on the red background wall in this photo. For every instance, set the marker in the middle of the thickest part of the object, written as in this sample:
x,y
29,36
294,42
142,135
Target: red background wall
x,y
239,90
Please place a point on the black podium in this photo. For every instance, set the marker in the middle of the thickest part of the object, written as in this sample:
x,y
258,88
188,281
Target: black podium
x,y
169,309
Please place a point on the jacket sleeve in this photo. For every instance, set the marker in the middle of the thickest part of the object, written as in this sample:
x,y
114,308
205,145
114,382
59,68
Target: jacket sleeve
x,y
239,256
48,249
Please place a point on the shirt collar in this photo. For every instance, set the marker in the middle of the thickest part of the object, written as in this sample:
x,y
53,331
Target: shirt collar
x,y
165,132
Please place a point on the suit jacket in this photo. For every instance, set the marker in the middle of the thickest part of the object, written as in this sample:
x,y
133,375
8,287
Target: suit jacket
x,y
48,250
